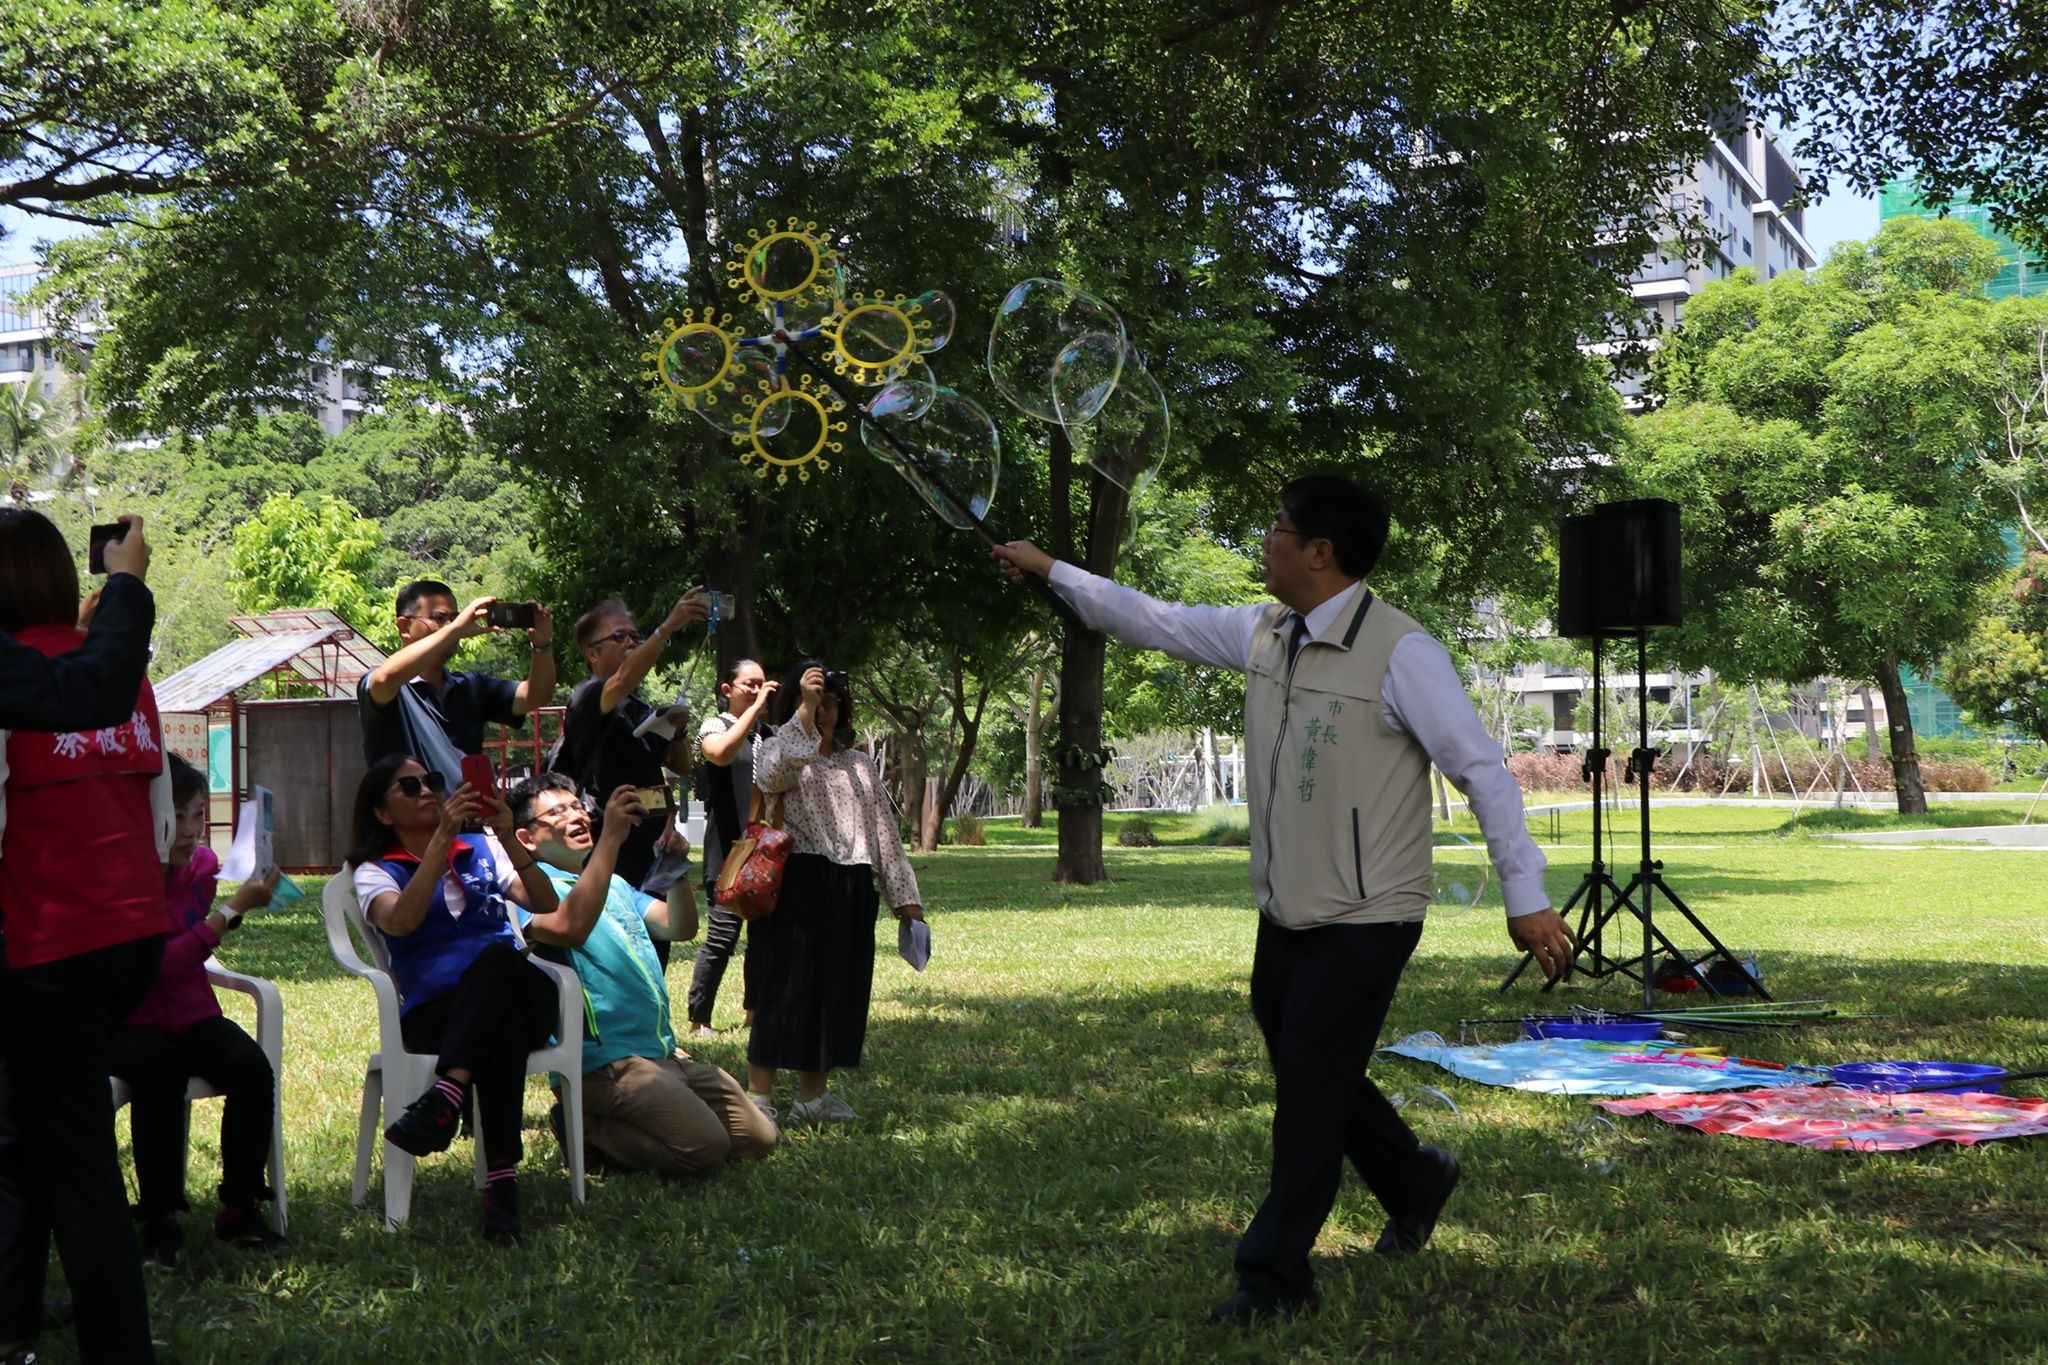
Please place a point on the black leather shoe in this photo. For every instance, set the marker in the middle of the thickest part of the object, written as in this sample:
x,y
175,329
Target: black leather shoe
x,y
1248,1307
501,1213
1406,1235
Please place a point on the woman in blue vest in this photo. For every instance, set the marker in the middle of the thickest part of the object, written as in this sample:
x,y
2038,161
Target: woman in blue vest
x,y
438,897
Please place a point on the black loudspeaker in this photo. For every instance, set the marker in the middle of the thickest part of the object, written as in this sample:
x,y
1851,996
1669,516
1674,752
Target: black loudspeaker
x,y
1619,569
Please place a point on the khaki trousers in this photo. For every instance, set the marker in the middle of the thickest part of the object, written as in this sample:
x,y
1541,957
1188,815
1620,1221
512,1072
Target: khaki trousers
x,y
673,1115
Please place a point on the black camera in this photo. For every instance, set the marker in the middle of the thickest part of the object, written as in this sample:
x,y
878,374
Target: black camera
x,y
837,681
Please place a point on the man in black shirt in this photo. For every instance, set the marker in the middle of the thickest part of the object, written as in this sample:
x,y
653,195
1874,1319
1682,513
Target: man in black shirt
x,y
599,749
413,699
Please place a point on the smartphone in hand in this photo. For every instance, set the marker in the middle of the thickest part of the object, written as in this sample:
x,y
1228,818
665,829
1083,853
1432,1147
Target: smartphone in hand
x,y
510,615
102,536
477,772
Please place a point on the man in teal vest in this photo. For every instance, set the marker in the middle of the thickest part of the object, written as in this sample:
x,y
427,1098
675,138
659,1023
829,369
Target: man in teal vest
x,y
1348,703
647,1105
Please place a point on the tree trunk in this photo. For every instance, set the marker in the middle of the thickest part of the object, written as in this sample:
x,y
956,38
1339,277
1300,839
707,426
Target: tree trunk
x,y
1079,771
911,755
1870,749
729,567
1034,754
969,726
1081,748
1905,760
931,821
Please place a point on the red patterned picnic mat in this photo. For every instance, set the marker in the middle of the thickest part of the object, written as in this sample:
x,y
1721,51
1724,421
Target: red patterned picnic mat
x,y
1842,1119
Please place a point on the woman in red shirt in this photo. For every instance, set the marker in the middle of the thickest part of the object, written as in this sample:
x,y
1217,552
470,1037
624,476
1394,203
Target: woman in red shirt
x,y
84,820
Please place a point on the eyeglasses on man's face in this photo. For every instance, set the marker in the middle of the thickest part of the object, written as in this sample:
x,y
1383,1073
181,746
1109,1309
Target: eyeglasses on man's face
x,y
439,618
413,783
618,637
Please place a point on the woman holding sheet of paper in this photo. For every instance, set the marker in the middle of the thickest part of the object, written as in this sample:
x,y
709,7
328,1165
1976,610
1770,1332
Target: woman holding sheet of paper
x,y
178,1032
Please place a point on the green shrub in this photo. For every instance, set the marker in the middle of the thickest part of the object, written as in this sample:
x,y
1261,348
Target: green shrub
x,y
1138,833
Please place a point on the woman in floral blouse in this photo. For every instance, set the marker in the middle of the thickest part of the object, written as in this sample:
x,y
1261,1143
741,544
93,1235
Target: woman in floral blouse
x,y
814,957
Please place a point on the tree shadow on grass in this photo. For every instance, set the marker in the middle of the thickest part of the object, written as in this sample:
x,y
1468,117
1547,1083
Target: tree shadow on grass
x,y
1066,1172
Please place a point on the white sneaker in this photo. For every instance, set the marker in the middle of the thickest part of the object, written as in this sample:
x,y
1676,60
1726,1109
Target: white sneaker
x,y
824,1108
702,1031
768,1108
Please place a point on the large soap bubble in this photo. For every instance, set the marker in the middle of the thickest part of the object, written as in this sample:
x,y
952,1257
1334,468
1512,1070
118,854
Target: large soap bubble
x,y
1036,322
1125,438
954,454
1459,874
728,405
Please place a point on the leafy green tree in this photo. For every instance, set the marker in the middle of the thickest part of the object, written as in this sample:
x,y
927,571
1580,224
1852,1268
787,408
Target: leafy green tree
x,y
2000,673
1947,91
1825,439
1333,236
297,552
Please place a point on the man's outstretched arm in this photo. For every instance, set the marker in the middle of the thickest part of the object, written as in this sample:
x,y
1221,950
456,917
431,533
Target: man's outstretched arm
x,y
1218,636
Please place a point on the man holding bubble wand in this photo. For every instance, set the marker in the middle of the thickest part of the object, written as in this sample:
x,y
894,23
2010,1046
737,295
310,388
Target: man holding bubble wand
x,y
1348,703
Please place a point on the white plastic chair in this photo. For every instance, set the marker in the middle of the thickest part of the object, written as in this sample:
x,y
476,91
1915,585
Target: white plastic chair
x,y
269,1037
393,1078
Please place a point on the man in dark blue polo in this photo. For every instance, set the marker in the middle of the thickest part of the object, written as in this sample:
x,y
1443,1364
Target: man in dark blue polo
x,y
413,703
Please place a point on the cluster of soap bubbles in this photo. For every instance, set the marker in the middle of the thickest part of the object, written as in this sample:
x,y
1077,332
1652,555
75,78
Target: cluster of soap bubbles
x,y
1592,1141
1061,355
783,417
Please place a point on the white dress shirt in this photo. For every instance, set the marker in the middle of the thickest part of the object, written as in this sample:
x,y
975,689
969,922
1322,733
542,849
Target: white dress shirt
x,y
1421,696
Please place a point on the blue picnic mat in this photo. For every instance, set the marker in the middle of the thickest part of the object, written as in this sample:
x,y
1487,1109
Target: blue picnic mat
x,y
1578,1066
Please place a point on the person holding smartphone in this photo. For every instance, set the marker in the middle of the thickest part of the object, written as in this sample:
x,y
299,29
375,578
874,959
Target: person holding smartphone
x,y
413,703
725,779
443,902
85,816
599,748
814,956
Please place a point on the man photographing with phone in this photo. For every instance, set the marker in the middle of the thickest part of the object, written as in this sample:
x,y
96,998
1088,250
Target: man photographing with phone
x,y
413,703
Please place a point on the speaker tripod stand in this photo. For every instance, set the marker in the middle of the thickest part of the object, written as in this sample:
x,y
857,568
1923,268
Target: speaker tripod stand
x,y
1599,900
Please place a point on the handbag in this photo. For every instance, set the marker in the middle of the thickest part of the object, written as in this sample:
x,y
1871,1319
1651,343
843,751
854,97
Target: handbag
x,y
751,879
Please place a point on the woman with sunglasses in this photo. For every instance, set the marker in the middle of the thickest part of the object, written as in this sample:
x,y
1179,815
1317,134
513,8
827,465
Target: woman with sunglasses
x,y
466,993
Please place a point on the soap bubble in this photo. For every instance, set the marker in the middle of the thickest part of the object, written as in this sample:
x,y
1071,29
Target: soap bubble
x,y
729,407
1125,440
695,358
955,454
1590,1140
796,426
1460,876
1036,321
935,316
810,308
1085,374
1427,1105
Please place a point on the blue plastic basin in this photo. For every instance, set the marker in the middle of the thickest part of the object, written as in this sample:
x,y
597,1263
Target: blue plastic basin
x,y
1614,1031
1951,1077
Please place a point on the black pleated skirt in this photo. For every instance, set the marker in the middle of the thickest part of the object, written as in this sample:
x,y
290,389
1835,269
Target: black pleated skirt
x,y
813,967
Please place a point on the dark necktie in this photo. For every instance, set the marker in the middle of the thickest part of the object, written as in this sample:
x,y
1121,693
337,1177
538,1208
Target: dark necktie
x,y
1299,634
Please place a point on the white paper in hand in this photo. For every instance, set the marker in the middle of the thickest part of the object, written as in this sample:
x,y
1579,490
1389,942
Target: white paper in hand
x,y
255,834
665,724
914,942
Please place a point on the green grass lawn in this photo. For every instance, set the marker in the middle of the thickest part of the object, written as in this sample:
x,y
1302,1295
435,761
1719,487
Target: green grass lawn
x,y
1064,1130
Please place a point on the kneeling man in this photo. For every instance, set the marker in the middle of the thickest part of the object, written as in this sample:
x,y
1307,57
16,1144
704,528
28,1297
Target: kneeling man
x,y
647,1105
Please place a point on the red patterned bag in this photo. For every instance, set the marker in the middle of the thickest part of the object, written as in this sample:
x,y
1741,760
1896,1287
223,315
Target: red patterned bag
x,y
751,878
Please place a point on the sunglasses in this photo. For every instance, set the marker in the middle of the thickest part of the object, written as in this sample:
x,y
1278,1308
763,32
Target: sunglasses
x,y
411,785
617,637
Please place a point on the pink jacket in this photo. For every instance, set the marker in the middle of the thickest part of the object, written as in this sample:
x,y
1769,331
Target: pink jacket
x,y
181,996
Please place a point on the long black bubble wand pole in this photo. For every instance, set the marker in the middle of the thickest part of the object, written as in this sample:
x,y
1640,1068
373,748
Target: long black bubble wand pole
x,y
1044,590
